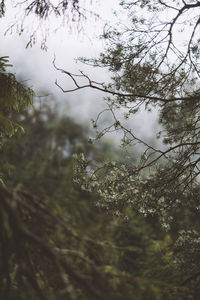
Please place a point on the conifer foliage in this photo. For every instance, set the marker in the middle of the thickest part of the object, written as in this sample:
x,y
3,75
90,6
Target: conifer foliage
x,y
99,238
154,59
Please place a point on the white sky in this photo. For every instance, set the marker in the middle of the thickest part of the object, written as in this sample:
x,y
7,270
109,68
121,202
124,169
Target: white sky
x,y
36,66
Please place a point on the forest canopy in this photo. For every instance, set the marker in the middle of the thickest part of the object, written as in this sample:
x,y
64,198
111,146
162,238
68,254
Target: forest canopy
x,y
76,223
155,65
154,59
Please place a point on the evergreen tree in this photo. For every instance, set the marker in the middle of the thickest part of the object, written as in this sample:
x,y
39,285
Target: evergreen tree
x,y
154,60
55,242
48,250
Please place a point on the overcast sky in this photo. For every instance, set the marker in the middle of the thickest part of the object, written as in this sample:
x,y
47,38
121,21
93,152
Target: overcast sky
x,y
35,65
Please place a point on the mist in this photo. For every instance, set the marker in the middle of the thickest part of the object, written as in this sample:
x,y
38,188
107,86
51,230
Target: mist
x,y
35,67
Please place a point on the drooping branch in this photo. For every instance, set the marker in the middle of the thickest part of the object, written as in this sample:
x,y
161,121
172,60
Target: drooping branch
x,y
100,87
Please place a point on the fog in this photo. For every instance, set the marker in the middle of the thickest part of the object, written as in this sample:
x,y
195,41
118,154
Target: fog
x,y
35,66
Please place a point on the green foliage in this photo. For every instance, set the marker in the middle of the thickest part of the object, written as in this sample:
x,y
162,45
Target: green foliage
x,y
55,242
14,97
2,8
154,65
